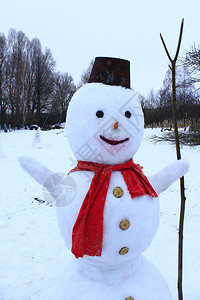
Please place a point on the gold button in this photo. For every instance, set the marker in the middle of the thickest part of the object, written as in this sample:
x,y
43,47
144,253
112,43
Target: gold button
x,y
124,224
118,192
123,251
129,298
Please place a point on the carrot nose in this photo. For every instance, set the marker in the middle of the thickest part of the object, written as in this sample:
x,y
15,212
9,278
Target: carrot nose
x,y
115,125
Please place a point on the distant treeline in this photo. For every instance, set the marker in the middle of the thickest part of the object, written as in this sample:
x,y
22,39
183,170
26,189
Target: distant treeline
x,y
32,92
30,89
157,106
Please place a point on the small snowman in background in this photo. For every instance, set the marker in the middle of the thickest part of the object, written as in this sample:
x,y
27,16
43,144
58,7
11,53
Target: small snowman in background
x,y
114,214
37,140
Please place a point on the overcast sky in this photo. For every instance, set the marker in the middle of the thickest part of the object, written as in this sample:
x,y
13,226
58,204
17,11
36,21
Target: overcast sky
x,y
77,31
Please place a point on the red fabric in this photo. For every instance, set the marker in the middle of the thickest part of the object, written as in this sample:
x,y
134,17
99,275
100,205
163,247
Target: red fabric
x,y
87,235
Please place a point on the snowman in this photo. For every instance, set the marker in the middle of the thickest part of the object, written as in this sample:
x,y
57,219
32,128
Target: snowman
x,y
114,214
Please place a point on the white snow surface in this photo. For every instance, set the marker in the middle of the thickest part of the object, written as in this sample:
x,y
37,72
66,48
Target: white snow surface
x,y
32,253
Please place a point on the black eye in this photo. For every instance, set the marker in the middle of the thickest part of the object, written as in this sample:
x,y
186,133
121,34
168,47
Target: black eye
x,y
127,114
99,114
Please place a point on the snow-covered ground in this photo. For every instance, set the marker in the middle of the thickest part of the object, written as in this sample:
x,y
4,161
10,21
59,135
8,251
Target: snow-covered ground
x,y
32,253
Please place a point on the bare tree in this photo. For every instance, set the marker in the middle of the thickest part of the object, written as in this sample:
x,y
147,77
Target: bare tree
x,y
165,101
64,88
3,97
16,74
29,86
43,72
185,93
86,74
192,61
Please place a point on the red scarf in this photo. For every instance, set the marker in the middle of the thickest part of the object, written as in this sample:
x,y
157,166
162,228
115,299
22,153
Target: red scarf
x,y
87,235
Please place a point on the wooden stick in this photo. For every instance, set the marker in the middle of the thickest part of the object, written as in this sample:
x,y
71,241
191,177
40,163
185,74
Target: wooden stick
x,y
178,154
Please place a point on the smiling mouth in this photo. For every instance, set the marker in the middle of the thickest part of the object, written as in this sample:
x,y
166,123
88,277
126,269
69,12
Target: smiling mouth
x,y
113,142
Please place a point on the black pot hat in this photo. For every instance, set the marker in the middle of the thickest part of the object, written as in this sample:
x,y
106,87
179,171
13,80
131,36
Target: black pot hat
x,y
111,71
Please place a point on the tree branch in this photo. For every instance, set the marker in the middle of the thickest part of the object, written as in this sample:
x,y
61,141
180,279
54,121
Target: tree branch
x,y
166,50
179,41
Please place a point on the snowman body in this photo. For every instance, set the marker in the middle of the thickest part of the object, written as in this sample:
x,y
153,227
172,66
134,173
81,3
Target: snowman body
x,y
120,272
132,280
129,224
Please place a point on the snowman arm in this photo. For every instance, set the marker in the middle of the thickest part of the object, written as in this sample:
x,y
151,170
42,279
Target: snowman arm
x,y
41,174
164,178
34,169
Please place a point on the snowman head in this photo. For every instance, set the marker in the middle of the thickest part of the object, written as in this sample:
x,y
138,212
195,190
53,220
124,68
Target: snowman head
x,y
104,123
